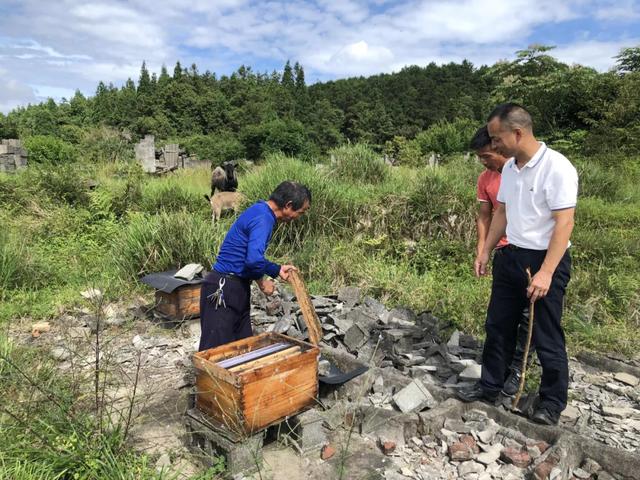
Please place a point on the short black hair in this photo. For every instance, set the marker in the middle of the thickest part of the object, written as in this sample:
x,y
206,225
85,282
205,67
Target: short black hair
x,y
293,192
481,139
513,115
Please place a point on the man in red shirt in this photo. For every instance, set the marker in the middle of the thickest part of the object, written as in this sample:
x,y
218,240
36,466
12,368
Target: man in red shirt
x,y
488,186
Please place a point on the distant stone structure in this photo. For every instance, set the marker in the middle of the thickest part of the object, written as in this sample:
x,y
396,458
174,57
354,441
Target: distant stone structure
x,y
12,156
165,159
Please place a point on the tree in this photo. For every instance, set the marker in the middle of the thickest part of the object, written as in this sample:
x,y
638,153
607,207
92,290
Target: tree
x,y
628,60
287,77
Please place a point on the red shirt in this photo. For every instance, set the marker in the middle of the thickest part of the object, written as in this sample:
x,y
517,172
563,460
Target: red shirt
x,y
488,186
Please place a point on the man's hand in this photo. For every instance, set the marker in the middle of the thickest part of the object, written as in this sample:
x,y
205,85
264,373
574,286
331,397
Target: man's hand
x,y
540,284
284,271
480,265
266,286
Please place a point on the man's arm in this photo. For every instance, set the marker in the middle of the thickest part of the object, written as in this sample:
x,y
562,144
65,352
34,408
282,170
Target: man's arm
x,y
496,232
483,222
541,281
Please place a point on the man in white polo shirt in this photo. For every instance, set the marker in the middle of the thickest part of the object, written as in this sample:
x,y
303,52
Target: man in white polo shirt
x,y
537,200
487,188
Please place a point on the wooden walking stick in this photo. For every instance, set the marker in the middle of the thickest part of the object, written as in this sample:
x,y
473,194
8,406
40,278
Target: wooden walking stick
x,y
516,399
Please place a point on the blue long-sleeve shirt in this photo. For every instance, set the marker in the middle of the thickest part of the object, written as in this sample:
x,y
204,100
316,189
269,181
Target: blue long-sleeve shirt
x,y
242,251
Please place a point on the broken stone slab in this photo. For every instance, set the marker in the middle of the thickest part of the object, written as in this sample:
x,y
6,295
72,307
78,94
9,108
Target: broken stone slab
x,y
60,353
414,396
627,379
283,324
454,339
375,306
350,296
491,455
355,337
619,412
465,468
471,372
401,316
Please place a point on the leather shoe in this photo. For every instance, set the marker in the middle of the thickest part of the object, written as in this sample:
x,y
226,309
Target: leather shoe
x,y
545,416
476,392
512,383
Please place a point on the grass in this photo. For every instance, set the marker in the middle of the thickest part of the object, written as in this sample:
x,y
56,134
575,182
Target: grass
x,y
404,235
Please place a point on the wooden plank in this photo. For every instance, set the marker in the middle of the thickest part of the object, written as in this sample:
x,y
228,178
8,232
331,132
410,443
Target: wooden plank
x,y
308,311
239,346
260,362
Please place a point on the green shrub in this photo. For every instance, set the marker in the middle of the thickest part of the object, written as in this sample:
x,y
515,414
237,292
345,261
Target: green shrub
x,y
280,135
105,144
445,137
405,152
46,149
62,183
217,148
359,163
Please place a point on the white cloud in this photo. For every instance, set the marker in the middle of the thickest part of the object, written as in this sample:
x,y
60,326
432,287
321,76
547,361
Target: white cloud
x,y
620,10
598,55
13,93
74,44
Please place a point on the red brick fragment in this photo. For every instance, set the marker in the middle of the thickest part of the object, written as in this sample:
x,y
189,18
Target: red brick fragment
x,y
388,447
327,452
519,458
470,442
460,452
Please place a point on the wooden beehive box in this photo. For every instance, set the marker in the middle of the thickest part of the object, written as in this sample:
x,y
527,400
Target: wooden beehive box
x,y
249,397
183,302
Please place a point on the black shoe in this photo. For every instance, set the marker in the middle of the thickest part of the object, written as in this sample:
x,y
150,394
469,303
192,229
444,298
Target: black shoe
x,y
476,392
545,416
512,383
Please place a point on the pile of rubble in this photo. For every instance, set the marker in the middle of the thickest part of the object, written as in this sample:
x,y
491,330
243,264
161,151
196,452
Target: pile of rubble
x,y
603,406
416,360
414,344
475,447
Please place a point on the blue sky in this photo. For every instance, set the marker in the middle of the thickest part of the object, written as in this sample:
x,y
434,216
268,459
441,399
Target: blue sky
x,y
49,49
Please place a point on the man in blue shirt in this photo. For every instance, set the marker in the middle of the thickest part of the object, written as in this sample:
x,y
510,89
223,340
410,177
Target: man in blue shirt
x,y
225,297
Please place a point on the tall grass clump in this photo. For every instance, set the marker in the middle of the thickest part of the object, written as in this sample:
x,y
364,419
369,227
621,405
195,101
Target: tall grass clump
x,y
444,205
48,431
336,205
153,243
359,164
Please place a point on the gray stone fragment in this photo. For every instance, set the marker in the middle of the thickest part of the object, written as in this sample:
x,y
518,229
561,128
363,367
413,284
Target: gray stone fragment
x,y
627,379
454,340
491,455
375,306
60,353
580,473
350,296
414,396
471,372
618,412
163,462
468,467
355,337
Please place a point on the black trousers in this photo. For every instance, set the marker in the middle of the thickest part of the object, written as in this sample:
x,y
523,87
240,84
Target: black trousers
x,y
226,323
508,300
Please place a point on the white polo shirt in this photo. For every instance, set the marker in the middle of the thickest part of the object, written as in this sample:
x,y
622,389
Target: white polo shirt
x,y
546,183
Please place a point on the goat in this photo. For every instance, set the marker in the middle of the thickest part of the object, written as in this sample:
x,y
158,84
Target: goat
x,y
224,178
222,201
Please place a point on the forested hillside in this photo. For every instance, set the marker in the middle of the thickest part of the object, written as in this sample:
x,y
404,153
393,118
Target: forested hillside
x,y
406,114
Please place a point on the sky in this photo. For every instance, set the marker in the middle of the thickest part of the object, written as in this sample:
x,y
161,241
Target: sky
x,y
51,48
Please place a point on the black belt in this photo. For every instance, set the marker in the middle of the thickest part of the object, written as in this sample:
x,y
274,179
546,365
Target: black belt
x,y
233,276
521,249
